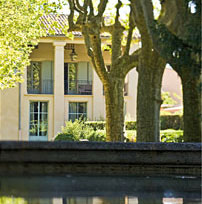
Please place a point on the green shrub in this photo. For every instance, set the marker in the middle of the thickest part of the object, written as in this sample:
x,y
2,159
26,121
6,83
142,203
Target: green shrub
x,y
171,122
96,125
100,125
130,125
130,136
171,135
78,130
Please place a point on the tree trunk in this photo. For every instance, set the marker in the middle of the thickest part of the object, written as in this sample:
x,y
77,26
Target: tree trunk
x,y
192,106
114,101
150,74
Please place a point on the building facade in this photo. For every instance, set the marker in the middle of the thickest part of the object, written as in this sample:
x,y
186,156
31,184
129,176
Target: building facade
x,y
57,89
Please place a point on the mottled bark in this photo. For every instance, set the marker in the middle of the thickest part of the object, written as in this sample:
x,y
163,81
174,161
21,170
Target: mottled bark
x,y
180,45
92,25
150,74
192,107
114,101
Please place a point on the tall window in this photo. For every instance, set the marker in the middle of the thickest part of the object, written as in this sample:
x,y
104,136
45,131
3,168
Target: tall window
x,y
78,78
40,78
77,110
38,125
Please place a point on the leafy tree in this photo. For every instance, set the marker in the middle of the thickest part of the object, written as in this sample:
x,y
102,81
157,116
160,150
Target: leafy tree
x,y
92,23
177,39
167,99
19,30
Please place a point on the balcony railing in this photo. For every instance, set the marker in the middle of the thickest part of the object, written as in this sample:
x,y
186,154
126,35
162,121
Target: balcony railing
x,y
78,87
42,87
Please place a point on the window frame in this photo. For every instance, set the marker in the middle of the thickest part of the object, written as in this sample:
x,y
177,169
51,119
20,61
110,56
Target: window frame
x,y
38,137
77,109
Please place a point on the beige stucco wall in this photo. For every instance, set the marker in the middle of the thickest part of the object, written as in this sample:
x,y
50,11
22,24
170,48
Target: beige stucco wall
x,y
172,83
9,114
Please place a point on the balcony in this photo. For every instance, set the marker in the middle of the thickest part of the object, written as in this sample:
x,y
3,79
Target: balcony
x,y
78,87
42,87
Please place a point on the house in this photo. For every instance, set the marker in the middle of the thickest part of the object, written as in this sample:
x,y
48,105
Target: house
x,y
56,88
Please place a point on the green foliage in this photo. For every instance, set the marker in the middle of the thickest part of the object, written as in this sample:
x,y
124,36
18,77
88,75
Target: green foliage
x,y
130,125
167,99
167,122
131,136
100,125
96,125
78,130
171,135
20,29
171,121
12,200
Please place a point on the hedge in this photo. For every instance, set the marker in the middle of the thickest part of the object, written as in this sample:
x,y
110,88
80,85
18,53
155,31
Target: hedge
x,y
96,125
167,122
171,122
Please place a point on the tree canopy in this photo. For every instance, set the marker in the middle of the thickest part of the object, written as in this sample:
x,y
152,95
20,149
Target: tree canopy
x,y
20,29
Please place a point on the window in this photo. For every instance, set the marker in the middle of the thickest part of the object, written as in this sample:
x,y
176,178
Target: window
x,y
77,110
40,78
78,78
38,125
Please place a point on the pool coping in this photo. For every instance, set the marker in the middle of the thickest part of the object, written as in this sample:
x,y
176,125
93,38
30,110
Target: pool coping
x,y
100,157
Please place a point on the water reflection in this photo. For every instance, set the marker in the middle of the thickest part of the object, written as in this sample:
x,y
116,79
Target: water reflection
x,y
79,189
93,200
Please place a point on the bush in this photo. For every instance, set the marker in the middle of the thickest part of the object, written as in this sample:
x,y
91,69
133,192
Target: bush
x,y
96,125
130,136
171,122
78,130
100,125
171,135
130,125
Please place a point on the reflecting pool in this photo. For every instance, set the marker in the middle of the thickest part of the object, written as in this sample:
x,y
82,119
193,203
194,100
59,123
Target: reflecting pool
x,y
93,189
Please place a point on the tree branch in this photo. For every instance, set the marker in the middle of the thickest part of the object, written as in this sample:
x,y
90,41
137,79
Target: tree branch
x,y
101,7
131,61
78,5
91,8
130,34
169,46
116,37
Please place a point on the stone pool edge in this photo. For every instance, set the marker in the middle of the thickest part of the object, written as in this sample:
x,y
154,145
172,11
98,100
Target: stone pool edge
x,y
100,158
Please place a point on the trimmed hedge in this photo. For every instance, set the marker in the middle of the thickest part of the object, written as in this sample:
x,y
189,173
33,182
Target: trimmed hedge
x,y
171,122
130,125
167,122
100,125
96,125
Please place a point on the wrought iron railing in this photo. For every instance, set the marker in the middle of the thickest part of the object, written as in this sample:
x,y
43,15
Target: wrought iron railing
x,y
43,87
78,87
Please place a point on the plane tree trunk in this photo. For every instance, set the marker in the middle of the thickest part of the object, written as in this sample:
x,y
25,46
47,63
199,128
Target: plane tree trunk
x,y
92,26
150,71
192,107
149,101
177,38
114,100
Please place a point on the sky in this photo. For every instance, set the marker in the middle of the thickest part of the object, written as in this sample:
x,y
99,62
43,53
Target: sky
x,y
123,11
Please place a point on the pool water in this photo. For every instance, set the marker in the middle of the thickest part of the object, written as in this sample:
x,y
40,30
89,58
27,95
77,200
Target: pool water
x,y
105,189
